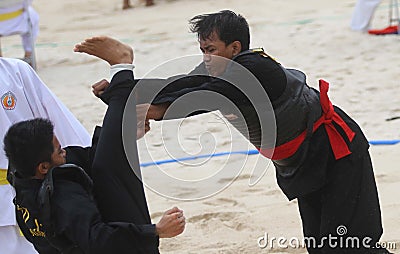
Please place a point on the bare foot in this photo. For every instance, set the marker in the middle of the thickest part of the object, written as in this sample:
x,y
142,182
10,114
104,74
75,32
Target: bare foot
x,y
106,48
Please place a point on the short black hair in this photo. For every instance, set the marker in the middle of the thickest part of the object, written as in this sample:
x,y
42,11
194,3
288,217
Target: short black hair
x,y
28,143
228,25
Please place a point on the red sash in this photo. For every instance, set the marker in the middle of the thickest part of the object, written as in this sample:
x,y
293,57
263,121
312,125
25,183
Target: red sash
x,y
338,144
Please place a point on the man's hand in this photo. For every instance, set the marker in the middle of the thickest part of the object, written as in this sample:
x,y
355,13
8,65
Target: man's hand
x,y
171,224
142,128
142,111
145,112
149,111
99,87
143,124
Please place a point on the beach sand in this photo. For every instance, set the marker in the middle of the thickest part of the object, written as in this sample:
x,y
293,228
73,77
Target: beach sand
x,y
228,215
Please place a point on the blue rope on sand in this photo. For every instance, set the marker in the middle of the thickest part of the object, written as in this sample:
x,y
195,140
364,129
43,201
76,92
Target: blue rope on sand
x,y
246,152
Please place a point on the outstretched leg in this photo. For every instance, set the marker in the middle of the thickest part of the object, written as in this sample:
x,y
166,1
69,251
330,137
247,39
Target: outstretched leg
x,y
117,184
106,48
119,192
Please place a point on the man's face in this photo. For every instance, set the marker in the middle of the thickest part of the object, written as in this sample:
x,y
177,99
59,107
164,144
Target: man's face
x,y
216,54
58,155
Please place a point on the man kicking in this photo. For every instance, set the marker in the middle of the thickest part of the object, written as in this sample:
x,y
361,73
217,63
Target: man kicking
x,y
320,154
60,209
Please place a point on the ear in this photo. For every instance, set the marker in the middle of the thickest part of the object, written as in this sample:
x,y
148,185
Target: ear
x,y
236,48
43,168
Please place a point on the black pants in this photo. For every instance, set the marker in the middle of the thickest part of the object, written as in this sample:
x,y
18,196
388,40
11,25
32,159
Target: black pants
x,y
344,216
118,190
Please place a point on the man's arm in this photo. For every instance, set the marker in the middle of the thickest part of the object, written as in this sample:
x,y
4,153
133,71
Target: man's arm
x,y
193,95
77,217
40,243
198,92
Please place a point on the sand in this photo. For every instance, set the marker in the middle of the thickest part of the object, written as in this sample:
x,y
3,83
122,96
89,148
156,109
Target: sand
x,y
313,36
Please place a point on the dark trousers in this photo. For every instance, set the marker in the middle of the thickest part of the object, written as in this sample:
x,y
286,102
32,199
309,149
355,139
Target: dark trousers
x,y
344,216
117,187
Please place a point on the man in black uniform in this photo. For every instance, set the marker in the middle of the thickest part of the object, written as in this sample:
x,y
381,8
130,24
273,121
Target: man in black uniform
x,y
55,207
320,154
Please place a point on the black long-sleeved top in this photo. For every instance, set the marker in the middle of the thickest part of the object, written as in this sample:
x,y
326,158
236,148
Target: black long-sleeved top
x,y
76,219
263,81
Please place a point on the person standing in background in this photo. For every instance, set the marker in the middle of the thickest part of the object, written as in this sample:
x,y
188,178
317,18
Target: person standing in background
x,y
362,16
15,18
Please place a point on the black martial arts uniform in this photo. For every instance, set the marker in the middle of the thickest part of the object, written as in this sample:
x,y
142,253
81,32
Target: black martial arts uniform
x,y
332,190
116,220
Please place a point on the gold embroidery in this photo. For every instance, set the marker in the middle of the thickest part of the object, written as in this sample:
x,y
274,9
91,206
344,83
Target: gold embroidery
x,y
34,231
25,213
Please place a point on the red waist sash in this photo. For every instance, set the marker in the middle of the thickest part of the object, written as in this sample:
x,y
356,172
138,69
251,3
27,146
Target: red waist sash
x,y
338,144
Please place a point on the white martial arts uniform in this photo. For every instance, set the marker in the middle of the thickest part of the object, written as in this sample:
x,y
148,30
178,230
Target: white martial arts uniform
x,y
362,15
15,21
24,96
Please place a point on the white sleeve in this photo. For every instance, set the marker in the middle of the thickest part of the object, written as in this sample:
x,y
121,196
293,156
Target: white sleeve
x,y
120,67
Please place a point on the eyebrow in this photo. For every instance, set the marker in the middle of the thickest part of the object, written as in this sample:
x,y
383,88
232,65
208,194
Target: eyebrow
x,y
206,48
